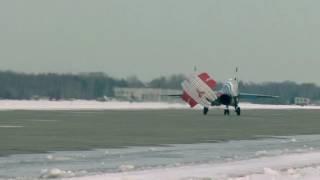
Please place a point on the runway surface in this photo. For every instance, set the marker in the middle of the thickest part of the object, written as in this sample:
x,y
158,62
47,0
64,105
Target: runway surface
x,y
84,143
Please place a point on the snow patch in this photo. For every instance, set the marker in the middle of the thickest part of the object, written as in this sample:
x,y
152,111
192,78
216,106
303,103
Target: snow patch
x,y
85,105
196,178
282,167
293,140
245,105
125,168
55,173
55,158
261,153
117,105
271,172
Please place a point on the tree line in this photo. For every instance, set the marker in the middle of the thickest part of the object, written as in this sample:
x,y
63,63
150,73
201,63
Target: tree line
x,y
57,86
90,86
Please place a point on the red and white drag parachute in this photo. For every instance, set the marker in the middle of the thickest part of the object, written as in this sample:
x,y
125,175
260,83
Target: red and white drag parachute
x,y
199,89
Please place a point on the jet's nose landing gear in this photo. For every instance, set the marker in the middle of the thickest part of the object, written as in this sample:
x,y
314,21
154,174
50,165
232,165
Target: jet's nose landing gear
x,y
238,111
226,111
205,110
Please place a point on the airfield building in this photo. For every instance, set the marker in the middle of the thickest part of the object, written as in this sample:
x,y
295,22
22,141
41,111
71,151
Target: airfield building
x,y
146,94
301,101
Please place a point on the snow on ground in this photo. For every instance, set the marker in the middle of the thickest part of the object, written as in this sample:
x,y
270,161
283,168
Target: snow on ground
x,y
84,105
304,166
117,105
267,106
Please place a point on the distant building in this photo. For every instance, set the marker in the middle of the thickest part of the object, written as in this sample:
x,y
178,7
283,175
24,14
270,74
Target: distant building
x,y
301,101
317,103
146,94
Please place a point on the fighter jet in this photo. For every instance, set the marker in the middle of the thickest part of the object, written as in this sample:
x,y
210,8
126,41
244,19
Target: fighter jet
x,y
201,89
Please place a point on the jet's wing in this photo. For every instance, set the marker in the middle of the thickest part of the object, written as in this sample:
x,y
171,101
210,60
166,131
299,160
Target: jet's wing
x,y
172,95
255,96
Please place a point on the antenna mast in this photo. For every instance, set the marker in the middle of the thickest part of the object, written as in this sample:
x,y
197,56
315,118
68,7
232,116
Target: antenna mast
x,y
236,74
195,69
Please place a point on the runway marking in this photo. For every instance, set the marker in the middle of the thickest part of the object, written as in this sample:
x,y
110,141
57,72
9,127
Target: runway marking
x,y
10,126
43,120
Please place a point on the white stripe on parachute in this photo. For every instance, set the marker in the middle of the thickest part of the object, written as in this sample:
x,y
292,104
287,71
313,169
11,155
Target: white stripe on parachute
x,y
194,85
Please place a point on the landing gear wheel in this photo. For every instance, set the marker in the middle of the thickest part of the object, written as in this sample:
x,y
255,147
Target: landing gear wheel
x,y
205,110
238,111
226,112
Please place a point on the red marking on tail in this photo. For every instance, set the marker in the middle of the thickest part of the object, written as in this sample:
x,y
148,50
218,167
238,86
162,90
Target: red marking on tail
x,y
187,98
208,80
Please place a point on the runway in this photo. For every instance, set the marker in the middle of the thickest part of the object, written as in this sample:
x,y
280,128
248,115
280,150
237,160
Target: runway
x,y
86,143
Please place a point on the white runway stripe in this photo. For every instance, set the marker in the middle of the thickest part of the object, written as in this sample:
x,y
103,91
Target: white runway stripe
x,y
10,126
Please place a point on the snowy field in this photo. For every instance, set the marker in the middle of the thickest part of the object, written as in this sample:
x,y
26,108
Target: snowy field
x,y
277,158
304,166
84,105
116,105
286,158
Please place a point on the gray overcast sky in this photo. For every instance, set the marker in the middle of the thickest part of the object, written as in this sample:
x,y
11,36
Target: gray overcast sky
x,y
268,39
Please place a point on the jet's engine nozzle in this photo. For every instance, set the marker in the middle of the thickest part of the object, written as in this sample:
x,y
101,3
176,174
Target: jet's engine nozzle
x,y
225,99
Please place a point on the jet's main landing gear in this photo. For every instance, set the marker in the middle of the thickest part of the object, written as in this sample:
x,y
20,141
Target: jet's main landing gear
x,y
238,111
205,110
